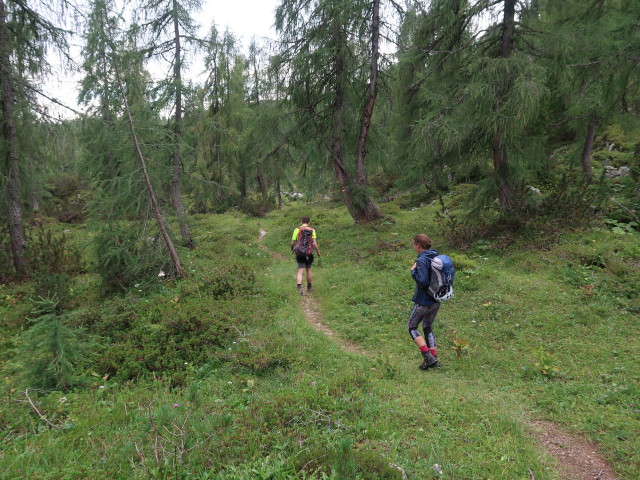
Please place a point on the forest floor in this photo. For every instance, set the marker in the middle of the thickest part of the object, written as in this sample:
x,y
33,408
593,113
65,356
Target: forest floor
x,y
576,457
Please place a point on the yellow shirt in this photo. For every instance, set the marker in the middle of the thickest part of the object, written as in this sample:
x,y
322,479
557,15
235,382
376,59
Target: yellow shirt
x,y
297,230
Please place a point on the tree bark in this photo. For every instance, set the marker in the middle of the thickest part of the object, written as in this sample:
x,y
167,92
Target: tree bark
x,y
280,204
367,112
364,209
344,179
262,184
10,137
588,147
506,193
176,197
370,210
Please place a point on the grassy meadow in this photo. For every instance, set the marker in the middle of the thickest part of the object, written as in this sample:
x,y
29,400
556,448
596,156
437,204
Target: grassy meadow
x,y
220,376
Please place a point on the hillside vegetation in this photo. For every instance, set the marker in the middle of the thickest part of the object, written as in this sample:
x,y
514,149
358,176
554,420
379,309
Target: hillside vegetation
x,y
219,374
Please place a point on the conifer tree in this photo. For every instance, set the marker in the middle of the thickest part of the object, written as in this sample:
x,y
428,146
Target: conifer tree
x,y
594,56
172,27
481,110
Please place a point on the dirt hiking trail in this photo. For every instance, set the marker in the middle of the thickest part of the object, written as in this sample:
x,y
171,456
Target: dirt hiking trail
x,y
576,457
311,309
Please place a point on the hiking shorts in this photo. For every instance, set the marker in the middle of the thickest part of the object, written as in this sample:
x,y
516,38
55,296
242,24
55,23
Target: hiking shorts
x,y
304,262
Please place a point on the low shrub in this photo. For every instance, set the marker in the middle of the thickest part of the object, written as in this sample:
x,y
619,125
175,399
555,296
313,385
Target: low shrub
x,y
123,257
257,206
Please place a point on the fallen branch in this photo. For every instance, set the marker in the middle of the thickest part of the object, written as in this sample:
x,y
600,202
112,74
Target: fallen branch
x,y
26,393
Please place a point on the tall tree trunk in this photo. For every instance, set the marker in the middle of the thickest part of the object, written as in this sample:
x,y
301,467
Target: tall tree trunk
x,y
364,209
344,179
370,210
177,157
280,204
588,147
506,194
262,184
10,137
506,191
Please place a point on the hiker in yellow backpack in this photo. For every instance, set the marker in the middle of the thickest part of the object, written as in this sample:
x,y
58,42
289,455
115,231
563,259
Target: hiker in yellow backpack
x,y
303,242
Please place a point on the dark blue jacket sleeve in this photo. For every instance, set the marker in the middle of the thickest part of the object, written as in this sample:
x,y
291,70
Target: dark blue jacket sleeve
x,y
421,274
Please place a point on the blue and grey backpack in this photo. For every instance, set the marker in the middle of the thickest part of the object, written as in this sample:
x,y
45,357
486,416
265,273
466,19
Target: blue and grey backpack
x,y
442,273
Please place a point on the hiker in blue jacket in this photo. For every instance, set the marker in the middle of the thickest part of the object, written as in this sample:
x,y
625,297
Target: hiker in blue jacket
x,y
425,307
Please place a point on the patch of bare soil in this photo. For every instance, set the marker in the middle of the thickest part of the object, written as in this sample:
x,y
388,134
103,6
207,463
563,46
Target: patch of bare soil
x,y
578,458
311,309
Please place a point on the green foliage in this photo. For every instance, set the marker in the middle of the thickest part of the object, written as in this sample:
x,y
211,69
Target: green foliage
x,y
461,347
52,263
544,367
50,354
123,257
53,254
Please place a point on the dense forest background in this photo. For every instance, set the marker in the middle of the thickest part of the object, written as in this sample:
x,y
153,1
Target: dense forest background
x,y
534,104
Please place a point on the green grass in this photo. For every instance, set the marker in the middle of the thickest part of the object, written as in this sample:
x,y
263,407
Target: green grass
x,y
552,335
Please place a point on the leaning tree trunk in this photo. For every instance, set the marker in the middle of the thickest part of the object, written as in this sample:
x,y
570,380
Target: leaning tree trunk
x,y
588,147
506,189
10,137
177,157
152,197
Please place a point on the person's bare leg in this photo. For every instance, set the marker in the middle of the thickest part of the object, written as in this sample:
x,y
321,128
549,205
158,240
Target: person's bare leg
x,y
299,280
420,342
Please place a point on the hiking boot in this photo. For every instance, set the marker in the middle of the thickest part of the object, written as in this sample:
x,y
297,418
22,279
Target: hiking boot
x,y
429,361
300,291
309,288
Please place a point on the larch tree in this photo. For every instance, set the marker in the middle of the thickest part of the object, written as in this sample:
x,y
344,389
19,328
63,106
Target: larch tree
x,y
25,35
594,55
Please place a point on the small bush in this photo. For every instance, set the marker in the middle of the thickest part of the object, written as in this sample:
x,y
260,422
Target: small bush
x,y
52,254
229,280
165,337
257,359
67,200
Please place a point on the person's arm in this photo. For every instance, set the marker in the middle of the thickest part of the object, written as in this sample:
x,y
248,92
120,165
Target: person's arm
x,y
421,272
294,237
315,245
